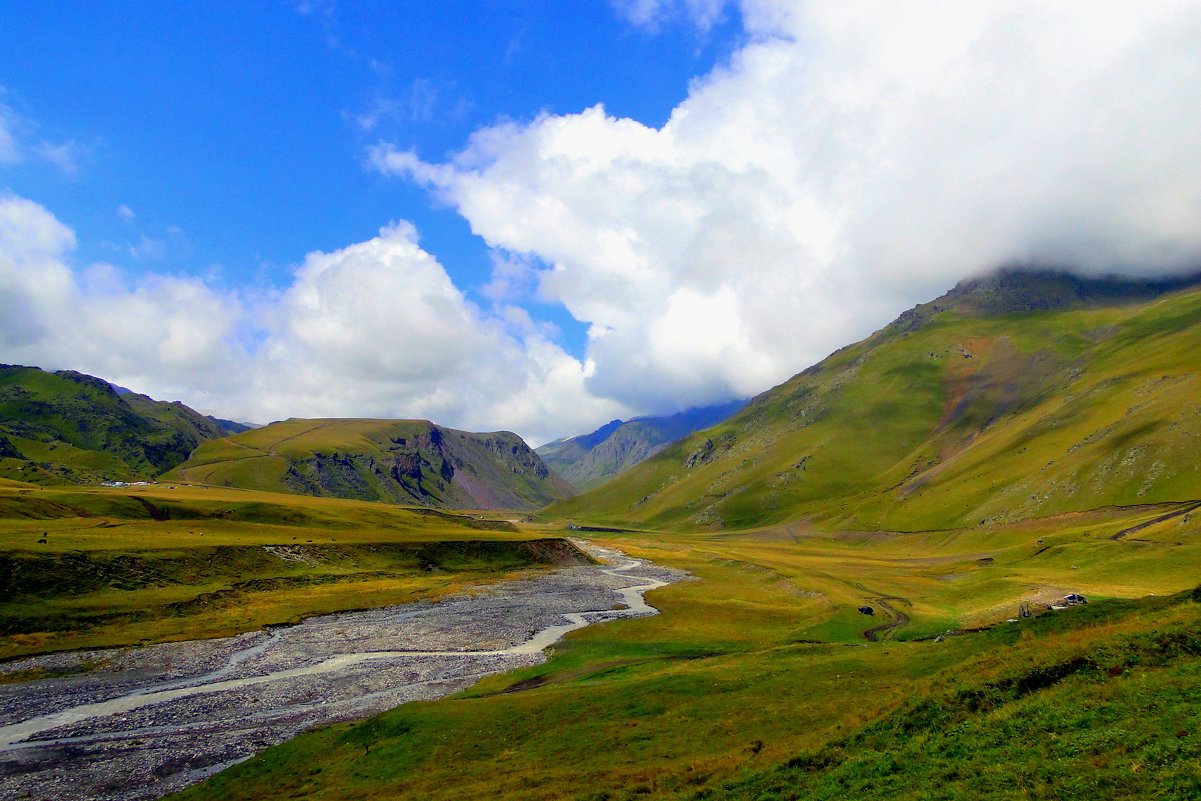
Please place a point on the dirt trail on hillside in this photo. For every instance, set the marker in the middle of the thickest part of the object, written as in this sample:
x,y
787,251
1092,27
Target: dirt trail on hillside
x,y
1184,509
898,618
152,720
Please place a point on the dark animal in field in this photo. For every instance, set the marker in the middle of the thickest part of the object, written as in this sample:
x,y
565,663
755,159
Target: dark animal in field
x,y
866,610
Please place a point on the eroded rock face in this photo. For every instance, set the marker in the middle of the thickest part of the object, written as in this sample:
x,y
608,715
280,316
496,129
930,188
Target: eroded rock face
x,y
436,467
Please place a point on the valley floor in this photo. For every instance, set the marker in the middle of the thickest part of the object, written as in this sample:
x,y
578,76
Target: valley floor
x,y
137,723
759,681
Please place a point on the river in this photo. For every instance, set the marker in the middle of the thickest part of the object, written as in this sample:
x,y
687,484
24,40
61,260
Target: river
x,y
146,721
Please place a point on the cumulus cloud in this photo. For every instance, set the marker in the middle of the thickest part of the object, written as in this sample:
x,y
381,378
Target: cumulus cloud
x,y
374,329
852,159
164,331
380,327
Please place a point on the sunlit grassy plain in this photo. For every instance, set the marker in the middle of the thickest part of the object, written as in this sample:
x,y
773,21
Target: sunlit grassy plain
x,y
762,660
94,567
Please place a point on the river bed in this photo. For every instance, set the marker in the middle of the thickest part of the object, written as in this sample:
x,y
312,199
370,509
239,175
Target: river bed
x,y
154,719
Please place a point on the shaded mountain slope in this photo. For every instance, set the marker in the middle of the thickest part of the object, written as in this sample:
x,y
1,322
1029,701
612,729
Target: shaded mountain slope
x,y
71,427
399,461
591,459
1014,396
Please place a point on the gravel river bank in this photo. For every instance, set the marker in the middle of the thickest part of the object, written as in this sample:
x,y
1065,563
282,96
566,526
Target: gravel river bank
x,y
146,721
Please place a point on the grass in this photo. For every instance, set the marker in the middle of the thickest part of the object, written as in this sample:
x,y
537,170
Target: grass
x,y
964,421
70,428
761,663
99,567
1110,713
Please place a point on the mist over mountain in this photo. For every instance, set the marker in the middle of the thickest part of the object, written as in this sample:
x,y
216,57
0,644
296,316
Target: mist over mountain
x,y
1017,395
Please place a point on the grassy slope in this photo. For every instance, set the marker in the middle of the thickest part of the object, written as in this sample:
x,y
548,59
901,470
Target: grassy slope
x,y
747,675
354,458
100,567
73,428
1053,412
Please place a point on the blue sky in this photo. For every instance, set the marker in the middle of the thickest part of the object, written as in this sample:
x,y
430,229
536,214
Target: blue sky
x,y
536,216
237,132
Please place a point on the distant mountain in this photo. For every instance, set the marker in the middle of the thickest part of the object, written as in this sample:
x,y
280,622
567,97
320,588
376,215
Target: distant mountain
x,y
232,426
589,460
399,461
71,427
1017,395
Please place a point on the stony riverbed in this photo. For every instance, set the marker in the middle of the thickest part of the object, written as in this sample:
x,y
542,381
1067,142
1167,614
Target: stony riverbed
x,y
145,721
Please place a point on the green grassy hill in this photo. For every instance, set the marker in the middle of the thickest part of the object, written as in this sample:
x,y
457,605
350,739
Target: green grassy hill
x,y
1013,397
399,461
67,427
589,460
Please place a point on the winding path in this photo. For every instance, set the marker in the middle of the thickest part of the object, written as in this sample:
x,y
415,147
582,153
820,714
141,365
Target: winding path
x,y
899,618
158,718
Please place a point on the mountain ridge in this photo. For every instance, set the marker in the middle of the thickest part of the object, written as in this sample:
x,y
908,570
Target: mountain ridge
x,y
71,427
588,460
398,461
963,411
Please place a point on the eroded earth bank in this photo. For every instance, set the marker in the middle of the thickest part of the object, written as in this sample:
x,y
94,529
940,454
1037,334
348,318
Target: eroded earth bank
x,y
142,722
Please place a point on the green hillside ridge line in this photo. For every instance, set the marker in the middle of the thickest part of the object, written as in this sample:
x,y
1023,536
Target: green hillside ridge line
x,y
68,427
986,406
395,461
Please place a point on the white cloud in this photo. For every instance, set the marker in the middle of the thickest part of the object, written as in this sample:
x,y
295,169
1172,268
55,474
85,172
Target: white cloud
x,y
126,214
374,329
379,328
163,332
852,159
651,14
19,143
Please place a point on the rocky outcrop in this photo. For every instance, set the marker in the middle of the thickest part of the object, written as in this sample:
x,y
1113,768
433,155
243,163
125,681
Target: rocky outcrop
x,y
411,462
7,451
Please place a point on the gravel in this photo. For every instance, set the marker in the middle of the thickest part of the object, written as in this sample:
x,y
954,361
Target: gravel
x,y
143,722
